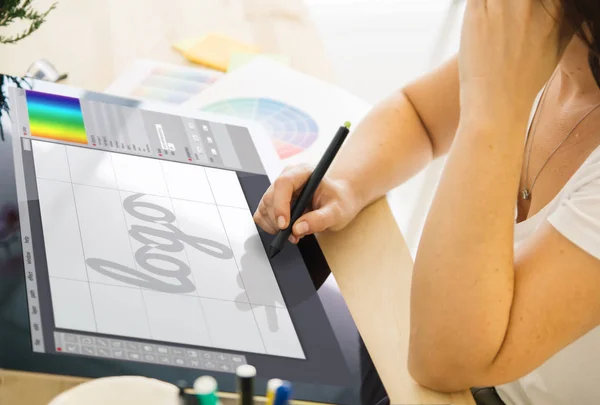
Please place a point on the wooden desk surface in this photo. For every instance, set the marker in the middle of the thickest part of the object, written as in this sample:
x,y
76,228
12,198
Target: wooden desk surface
x,y
96,40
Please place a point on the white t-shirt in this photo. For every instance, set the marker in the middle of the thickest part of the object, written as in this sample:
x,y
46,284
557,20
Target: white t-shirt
x,y
572,376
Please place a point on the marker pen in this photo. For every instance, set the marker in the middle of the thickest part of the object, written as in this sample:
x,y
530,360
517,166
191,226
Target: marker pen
x,y
283,393
272,386
245,384
206,390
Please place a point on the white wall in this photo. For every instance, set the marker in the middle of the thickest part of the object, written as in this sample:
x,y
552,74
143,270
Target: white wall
x,y
376,47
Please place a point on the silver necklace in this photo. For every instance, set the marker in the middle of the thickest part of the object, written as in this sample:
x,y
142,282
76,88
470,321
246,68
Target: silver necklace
x,y
526,192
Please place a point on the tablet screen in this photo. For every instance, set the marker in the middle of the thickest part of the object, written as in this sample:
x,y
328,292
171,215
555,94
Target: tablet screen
x,y
140,254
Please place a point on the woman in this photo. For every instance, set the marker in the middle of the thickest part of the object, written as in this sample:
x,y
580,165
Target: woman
x,y
506,286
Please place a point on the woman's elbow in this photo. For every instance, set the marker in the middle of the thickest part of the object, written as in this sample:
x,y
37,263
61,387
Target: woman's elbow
x,y
436,374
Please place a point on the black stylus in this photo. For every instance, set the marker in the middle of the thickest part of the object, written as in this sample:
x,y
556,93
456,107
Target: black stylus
x,y
305,197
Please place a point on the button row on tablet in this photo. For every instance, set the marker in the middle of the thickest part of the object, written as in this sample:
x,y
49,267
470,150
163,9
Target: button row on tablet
x,y
147,352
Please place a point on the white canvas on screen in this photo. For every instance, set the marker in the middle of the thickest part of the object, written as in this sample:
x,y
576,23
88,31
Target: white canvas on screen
x,y
51,161
215,277
90,167
72,303
143,248
177,177
64,252
168,323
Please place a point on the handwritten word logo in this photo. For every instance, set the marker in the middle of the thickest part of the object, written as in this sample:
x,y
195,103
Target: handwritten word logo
x,y
159,239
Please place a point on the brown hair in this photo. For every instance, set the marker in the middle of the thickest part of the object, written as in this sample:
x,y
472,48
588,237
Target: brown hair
x,y
584,17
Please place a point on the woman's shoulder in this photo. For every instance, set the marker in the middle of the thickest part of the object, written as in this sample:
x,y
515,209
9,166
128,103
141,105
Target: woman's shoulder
x,y
587,175
577,216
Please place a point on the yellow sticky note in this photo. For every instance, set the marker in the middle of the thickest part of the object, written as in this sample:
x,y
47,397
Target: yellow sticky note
x,y
185,44
214,50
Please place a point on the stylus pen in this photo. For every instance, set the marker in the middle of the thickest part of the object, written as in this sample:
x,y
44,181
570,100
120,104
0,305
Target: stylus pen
x,y
305,197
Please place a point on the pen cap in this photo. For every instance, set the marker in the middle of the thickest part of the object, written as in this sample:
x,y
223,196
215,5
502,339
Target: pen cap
x,y
206,390
246,371
273,384
283,393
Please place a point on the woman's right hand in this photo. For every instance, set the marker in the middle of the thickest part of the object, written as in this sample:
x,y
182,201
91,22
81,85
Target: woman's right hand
x,y
334,204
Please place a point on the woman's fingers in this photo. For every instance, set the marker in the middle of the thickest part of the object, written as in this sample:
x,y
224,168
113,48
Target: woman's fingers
x,y
262,216
284,189
333,205
273,213
509,49
318,220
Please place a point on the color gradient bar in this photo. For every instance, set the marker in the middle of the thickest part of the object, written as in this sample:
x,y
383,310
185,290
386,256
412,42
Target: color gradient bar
x,y
55,117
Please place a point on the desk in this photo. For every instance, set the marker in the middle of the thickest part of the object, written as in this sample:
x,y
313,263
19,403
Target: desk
x,y
95,40
374,275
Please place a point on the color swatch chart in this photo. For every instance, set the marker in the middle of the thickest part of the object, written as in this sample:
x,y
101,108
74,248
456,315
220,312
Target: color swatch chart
x,y
291,130
174,84
55,117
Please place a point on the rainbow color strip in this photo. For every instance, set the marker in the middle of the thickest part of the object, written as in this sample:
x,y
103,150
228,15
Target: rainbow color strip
x,y
55,117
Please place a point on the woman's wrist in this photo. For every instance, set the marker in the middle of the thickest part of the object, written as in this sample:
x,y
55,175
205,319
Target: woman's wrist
x,y
356,191
492,138
496,117
495,107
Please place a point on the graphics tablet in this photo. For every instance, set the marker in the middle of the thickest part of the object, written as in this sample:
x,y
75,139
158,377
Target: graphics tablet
x,y
127,246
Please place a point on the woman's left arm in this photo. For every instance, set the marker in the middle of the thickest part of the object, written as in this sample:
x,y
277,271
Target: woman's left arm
x,y
482,314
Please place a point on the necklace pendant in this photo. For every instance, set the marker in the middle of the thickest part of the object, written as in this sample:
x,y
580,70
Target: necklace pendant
x,y
525,194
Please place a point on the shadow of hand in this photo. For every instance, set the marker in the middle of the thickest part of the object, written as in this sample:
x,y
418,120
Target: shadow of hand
x,y
269,307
